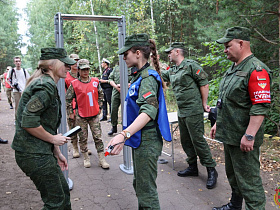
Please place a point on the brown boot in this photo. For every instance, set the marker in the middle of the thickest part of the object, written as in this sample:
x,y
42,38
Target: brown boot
x,y
102,161
86,160
76,153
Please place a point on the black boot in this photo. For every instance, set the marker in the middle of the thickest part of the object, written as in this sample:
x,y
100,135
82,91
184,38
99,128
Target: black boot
x,y
11,106
2,141
103,118
113,130
192,170
212,177
234,204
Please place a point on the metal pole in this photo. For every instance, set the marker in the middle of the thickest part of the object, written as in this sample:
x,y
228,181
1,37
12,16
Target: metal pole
x,y
126,167
58,23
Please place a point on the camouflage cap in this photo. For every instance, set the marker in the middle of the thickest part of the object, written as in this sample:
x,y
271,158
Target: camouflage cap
x,y
236,32
83,64
104,60
74,56
56,53
174,45
134,40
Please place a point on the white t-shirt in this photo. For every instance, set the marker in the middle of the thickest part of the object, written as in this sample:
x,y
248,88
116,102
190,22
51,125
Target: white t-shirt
x,y
19,77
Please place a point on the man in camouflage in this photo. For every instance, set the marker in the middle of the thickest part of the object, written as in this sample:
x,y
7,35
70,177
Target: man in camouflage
x,y
190,86
114,81
244,99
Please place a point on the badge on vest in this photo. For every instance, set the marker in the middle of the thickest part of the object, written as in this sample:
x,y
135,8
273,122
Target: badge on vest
x,y
95,84
132,91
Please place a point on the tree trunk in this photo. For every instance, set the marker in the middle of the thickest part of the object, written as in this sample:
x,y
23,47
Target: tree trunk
x,y
279,57
152,17
96,40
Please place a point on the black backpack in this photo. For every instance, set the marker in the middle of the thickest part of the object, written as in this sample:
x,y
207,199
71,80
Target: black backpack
x,y
11,77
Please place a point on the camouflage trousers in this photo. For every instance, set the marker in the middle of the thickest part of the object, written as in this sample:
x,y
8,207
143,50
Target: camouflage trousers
x,y
94,124
72,124
145,159
48,178
243,173
193,142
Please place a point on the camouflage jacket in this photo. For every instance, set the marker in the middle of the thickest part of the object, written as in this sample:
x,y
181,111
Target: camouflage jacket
x,y
233,118
39,105
186,80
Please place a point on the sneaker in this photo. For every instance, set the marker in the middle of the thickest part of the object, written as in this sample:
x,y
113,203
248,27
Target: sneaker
x,y
11,106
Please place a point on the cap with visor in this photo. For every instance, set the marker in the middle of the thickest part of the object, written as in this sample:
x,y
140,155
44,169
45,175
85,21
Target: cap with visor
x,y
56,53
174,45
83,64
236,32
134,40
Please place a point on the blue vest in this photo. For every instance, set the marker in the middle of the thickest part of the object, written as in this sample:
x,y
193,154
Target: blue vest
x,y
131,111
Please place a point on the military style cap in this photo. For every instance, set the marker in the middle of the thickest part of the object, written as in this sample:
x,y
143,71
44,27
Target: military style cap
x,y
174,45
134,40
56,53
236,32
83,64
104,60
74,56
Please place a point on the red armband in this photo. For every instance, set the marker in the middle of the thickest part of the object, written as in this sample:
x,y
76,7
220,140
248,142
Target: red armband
x,y
259,87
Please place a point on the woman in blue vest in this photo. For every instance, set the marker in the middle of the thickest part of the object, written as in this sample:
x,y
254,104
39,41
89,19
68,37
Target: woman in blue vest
x,y
88,98
145,107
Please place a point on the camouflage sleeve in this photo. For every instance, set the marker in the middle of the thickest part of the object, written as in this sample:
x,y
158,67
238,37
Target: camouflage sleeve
x,y
112,76
100,96
147,98
37,104
198,74
165,75
70,95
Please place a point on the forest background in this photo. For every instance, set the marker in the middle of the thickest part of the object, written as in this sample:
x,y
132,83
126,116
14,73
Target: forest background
x,y
198,23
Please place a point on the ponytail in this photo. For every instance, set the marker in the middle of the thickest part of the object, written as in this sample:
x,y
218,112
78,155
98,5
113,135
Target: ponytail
x,y
155,60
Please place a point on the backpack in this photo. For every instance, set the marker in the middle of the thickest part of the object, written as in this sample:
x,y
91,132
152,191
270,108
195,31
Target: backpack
x,y
13,71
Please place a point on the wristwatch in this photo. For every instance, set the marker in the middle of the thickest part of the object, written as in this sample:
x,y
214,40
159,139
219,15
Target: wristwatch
x,y
249,137
127,134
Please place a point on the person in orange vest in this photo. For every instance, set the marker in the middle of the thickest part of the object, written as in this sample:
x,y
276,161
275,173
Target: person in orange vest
x,y
88,96
7,86
72,75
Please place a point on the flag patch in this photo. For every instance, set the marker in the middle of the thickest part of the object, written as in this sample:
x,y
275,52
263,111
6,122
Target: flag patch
x,y
148,94
261,78
198,72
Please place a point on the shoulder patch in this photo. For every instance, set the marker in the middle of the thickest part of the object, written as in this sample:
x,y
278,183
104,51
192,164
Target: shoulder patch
x,y
147,95
35,105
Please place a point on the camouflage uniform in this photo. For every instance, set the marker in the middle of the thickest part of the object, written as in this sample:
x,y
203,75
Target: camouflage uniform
x,y
242,168
40,105
186,80
116,97
93,122
146,155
